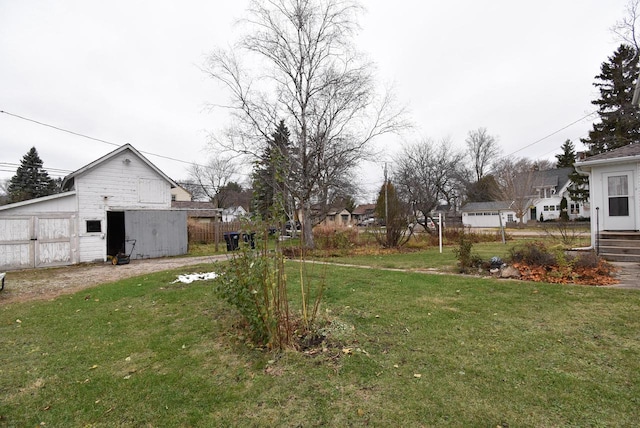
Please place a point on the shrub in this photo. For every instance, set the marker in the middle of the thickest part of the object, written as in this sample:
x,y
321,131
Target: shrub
x,y
254,282
466,259
533,254
335,238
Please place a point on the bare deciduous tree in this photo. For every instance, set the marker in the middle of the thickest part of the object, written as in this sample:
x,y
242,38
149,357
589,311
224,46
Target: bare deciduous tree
x,y
213,177
516,178
625,28
307,73
482,150
428,174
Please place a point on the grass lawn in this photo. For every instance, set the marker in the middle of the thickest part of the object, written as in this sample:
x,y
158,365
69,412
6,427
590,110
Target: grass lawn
x,y
429,258
411,349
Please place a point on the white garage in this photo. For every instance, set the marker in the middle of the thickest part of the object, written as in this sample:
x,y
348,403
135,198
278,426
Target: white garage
x,y
118,203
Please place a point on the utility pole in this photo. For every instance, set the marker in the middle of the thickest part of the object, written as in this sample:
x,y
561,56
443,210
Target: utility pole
x,y
386,204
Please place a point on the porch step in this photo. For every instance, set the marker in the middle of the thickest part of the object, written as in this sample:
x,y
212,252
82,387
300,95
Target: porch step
x,y
620,243
620,246
630,236
635,258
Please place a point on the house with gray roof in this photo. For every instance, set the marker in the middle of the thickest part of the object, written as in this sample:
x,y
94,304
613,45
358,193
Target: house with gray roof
x,y
614,190
548,188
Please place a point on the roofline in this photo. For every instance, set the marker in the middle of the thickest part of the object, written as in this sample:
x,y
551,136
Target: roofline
x,y
587,163
115,153
37,200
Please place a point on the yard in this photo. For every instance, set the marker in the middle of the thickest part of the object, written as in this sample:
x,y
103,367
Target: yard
x,y
401,349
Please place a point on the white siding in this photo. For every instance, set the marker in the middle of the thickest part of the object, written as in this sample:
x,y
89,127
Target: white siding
x,y
60,204
115,185
598,198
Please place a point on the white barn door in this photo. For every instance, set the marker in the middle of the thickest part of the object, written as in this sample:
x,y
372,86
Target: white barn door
x,y
16,248
37,241
55,241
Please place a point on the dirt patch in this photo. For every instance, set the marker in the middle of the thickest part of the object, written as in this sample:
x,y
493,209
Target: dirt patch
x,y
46,284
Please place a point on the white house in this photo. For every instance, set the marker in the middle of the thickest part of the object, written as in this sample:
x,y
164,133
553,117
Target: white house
x,y
548,188
233,214
118,203
614,189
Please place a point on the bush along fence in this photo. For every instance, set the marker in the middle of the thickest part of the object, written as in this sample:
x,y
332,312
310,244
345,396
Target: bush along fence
x,y
211,233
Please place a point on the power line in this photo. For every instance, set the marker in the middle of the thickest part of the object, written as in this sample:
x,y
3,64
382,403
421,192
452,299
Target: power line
x,y
552,134
91,138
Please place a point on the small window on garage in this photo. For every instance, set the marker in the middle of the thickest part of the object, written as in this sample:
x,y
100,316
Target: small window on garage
x,y
94,226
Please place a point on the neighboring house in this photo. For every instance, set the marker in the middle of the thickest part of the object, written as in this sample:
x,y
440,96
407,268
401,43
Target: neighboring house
x,y
179,194
613,189
487,214
545,197
232,214
199,211
549,187
337,217
364,215
106,207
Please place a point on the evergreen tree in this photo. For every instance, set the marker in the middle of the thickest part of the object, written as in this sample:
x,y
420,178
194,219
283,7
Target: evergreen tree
x,y
564,213
619,120
31,180
567,158
270,174
579,188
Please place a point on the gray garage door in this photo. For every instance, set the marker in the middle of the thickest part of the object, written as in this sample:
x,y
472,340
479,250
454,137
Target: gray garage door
x,y
156,233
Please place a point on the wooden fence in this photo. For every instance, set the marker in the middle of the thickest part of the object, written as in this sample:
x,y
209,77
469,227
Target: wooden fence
x,y
211,233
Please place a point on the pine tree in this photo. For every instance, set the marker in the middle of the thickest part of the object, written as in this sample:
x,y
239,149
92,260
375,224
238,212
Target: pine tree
x,y
579,188
31,180
567,158
270,174
619,120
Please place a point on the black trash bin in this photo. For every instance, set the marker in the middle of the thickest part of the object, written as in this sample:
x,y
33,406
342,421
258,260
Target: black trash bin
x,y
249,238
232,239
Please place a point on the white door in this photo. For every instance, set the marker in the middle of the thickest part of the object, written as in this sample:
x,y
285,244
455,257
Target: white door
x,y
16,244
619,203
55,239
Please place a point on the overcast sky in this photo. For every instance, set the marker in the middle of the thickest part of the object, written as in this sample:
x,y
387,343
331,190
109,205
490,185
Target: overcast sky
x,y
128,72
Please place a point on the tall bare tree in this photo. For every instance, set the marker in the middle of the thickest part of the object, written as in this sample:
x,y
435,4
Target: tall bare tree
x,y
483,151
308,73
428,174
625,28
212,178
516,179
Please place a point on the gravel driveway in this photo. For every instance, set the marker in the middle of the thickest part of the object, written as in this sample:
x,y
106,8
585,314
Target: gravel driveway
x,y
45,284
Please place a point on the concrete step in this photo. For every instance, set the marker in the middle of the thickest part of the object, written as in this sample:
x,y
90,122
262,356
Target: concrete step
x,y
631,236
623,243
608,249
620,257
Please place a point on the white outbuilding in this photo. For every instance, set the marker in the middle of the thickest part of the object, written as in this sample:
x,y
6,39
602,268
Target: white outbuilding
x,y
120,203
